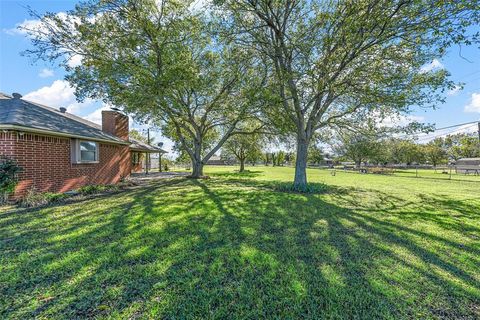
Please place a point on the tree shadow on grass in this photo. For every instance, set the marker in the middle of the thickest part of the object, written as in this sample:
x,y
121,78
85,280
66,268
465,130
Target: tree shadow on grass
x,y
229,249
237,174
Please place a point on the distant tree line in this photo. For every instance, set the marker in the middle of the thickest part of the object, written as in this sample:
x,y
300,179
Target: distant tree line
x,y
439,151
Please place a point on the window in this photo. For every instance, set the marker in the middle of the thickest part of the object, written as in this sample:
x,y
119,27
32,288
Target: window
x,y
84,151
88,151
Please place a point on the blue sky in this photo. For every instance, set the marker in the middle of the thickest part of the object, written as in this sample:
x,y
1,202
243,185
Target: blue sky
x,y
44,83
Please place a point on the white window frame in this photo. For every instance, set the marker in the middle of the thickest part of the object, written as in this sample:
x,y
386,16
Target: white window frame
x,y
76,153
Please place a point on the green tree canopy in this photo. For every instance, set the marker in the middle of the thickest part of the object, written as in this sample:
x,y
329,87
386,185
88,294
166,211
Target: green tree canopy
x,y
330,59
435,152
160,62
462,145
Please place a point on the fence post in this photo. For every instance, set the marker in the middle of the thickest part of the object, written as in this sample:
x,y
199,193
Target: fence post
x,y
450,175
416,171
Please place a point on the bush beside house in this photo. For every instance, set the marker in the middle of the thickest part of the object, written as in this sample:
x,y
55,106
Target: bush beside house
x,y
9,170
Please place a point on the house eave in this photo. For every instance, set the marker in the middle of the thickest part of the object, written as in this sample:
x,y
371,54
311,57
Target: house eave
x,y
148,150
57,134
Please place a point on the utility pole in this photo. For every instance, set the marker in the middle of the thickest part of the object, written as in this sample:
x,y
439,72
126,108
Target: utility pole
x,y
478,131
160,145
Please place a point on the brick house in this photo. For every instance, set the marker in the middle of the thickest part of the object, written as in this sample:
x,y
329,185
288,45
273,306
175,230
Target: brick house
x,y
59,151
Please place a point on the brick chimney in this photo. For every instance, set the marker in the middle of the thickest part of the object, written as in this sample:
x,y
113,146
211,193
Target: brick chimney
x,y
115,123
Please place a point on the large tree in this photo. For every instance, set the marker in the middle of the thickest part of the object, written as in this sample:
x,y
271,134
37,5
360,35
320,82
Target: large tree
x,y
435,151
357,146
462,145
405,151
160,62
243,147
333,58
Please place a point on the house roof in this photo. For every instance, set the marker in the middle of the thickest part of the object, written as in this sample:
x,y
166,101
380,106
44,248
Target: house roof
x,y
137,145
17,113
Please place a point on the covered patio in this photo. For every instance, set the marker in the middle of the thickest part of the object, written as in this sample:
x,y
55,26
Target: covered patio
x,y
141,157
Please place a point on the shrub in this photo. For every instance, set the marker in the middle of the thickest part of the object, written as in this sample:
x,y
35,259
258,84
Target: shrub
x,y
309,188
9,170
90,189
93,189
55,197
34,198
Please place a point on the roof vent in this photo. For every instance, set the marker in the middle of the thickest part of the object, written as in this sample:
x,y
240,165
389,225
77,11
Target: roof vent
x,y
63,110
16,95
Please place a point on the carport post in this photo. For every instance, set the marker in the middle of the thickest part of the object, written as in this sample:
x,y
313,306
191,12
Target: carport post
x,y
147,154
159,162
146,162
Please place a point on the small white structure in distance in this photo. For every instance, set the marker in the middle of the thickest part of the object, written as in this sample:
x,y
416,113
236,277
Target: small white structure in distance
x,y
468,166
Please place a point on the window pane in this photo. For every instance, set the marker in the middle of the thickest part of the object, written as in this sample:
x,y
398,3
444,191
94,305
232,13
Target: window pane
x,y
88,146
87,156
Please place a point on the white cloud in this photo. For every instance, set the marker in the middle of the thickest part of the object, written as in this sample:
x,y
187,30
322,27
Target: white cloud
x,y
74,61
434,65
454,91
45,73
400,120
474,104
96,116
21,28
34,25
58,94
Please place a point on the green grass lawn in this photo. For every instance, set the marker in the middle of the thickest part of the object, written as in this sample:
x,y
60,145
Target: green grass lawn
x,y
233,247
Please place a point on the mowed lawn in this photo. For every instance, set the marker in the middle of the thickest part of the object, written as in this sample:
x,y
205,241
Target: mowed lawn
x,y
232,247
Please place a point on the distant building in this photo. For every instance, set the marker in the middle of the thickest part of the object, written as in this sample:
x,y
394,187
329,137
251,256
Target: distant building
x,y
468,165
216,161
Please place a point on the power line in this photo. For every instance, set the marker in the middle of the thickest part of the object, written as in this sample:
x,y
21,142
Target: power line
x,y
471,80
424,138
438,129
456,125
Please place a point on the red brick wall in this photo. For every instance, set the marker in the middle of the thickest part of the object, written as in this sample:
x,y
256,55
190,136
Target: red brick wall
x,y
47,165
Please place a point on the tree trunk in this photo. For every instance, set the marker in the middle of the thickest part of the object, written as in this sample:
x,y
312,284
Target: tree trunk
x,y
197,164
197,169
300,180
242,165
358,163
